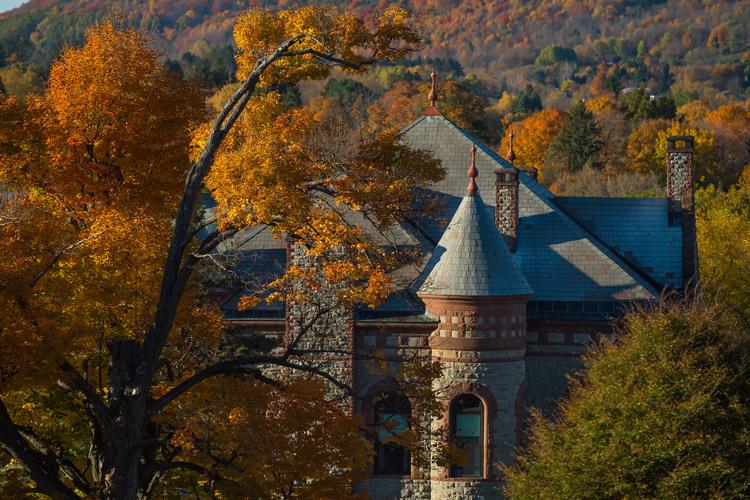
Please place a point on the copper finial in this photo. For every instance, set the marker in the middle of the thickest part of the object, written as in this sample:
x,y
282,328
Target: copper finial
x,y
433,94
473,172
511,154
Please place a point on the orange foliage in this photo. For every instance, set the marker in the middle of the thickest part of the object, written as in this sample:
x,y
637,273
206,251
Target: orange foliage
x,y
91,174
90,164
532,138
732,118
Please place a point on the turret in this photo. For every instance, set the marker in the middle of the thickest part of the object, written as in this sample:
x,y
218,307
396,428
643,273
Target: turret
x,y
478,295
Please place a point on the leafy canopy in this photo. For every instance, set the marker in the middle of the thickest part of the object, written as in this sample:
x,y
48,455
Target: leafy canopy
x,y
662,412
92,174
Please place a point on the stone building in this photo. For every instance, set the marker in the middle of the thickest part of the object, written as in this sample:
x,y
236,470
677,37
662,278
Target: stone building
x,y
518,282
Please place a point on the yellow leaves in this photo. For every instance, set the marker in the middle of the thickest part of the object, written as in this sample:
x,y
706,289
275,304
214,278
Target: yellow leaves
x,y
601,105
323,29
706,154
314,179
641,148
258,32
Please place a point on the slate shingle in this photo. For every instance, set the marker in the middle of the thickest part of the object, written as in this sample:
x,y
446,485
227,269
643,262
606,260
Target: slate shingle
x,y
472,258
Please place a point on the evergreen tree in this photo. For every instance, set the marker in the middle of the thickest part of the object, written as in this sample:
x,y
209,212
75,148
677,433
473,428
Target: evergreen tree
x,y
527,101
347,91
639,105
578,143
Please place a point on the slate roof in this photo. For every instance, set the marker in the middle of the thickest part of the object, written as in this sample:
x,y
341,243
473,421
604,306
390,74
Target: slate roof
x,y
559,258
637,229
580,256
472,259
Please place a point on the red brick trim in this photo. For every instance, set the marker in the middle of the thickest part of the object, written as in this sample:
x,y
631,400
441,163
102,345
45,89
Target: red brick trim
x,y
478,343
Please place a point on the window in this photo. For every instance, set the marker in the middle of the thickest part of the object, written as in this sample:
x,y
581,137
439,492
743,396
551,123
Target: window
x,y
467,429
392,412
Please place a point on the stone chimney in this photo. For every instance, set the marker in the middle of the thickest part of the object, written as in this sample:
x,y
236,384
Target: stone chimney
x,y
506,205
681,194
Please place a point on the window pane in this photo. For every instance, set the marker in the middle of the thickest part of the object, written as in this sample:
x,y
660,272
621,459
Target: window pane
x,y
391,425
392,417
468,425
473,459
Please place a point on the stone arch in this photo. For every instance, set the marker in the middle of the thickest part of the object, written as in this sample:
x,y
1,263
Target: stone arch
x,y
489,404
387,385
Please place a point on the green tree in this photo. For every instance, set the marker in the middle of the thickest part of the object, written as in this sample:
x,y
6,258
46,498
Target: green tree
x,y
662,412
552,54
347,91
578,143
214,69
639,105
527,101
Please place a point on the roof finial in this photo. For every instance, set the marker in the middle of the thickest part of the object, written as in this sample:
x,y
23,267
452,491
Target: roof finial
x,y
473,172
433,94
511,157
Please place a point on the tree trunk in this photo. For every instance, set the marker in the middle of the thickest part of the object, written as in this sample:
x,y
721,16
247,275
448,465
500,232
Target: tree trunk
x,y
120,456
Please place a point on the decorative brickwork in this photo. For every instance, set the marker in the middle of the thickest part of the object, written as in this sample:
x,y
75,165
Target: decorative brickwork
x,y
506,205
681,192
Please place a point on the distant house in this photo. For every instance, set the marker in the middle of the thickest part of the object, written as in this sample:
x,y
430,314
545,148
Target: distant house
x,y
518,282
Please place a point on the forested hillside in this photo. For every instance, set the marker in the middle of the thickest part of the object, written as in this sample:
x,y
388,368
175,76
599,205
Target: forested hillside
x,y
693,47
645,68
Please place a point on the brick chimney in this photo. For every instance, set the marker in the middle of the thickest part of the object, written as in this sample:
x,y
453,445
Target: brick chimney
x,y
506,205
681,194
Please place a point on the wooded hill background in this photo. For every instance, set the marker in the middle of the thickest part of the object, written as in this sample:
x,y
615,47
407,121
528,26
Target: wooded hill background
x,y
694,48
645,68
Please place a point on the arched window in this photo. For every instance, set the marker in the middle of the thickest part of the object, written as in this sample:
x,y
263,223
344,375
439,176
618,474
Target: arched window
x,y
467,430
392,414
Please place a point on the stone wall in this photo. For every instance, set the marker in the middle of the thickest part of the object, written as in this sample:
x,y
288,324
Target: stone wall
x,y
328,334
546,380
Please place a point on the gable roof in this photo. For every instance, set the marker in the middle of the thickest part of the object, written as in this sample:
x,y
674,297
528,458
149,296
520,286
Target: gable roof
x,y
472,258
559,258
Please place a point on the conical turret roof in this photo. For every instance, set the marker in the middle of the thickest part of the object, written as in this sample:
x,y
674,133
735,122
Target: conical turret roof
x,y
471,258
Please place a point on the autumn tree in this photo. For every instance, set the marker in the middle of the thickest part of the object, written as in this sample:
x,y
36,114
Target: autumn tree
x,y
723,224
661,412
641,148
97,190
405,101
532,137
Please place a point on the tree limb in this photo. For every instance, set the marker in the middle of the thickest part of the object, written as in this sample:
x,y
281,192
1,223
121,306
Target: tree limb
x,y
42,468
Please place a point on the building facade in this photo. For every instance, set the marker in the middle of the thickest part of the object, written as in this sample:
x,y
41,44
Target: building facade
x,y
518,282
